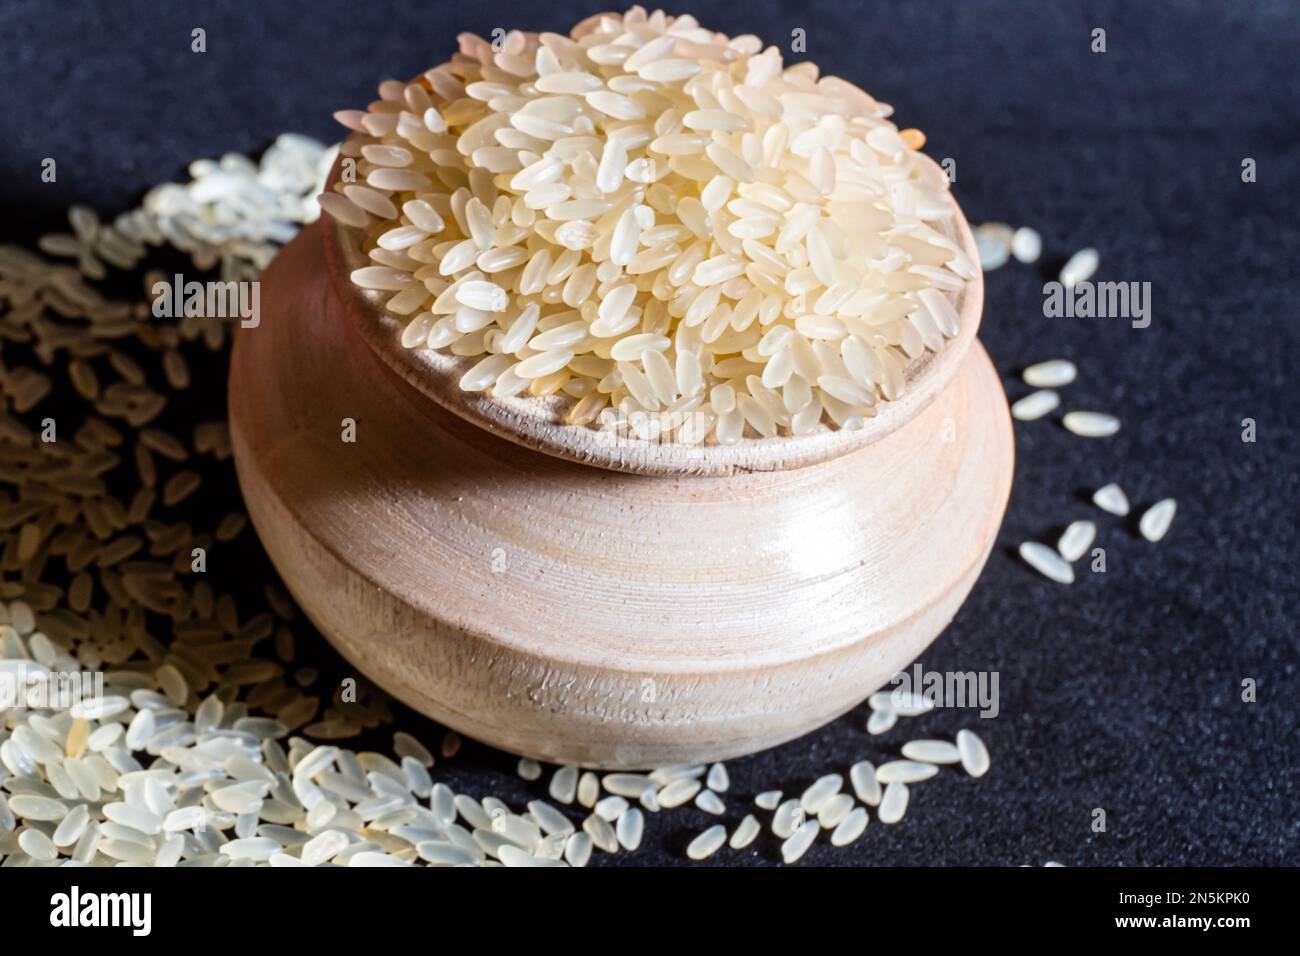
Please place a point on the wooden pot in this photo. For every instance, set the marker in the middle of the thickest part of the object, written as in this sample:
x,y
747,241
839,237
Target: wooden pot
x,y
578,598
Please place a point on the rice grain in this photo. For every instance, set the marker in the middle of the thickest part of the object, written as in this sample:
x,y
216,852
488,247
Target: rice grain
x,y
629,829
893,805
1035,405
631,150
974,755
1046,562
1026,245
905,771
1091,424
850,828
1051,374
1076,540
793,849
707,843
1155,521
1111,498
1079,268
865,784
746,832
820,791
931,751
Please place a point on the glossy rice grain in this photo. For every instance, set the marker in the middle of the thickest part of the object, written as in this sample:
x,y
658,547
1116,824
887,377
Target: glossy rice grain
x,y
1035,405
1046,562
1076,540
1155,521
1111,498
974,755
707,843
1091,424
893,805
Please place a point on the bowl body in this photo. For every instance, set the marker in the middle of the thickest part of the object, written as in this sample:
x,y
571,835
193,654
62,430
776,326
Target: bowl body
x,y
586,615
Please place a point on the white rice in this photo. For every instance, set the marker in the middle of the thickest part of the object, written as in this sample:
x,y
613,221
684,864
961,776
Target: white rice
x,y
1026,245
679,792
787,817
710,802
611,227
1155,521
1091,424
1055,373
1079,268
1046,562
229,782
930,751
630,829
905,771
577,850
881,721
834,810
601,833
611,808
893,805
798,843
746,832
1076,540
863,777
819,792
904,703
588,791
630,785
549,819
515,856
974,755
850,828
993,240
564,784
1035,405
1111,498
707,843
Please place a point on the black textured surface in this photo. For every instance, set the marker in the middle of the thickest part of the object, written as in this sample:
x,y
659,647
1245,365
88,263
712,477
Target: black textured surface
x,y
1122,692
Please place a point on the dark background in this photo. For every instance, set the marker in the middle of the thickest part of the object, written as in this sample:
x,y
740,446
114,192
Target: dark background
x,y
1121,692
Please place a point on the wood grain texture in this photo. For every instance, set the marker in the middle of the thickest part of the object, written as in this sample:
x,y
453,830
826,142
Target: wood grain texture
x,y
584,615
537,423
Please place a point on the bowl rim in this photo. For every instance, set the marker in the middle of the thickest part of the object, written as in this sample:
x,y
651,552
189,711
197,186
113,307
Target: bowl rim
x,y
537,423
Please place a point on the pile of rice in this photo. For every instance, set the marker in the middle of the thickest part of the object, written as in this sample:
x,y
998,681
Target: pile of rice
x,y
663,225
214,743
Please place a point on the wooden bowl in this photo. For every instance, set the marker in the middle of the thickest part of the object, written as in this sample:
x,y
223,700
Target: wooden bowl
x,y
576,599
